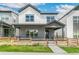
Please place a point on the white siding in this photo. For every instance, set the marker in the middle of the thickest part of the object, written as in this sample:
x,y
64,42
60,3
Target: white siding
x,y
38,18
14,18
68,21
4,14
10,15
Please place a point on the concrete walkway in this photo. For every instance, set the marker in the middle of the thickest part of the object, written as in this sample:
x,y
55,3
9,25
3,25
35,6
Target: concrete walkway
x,y
56,49
25,53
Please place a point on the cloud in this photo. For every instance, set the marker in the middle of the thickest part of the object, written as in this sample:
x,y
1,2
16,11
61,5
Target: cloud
x,y
13,5
64,8
2,8
20,5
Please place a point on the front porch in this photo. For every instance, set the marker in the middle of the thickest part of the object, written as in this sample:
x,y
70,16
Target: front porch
x,y
6,30
38,32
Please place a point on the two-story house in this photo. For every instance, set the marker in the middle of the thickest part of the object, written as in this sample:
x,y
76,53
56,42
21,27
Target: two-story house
x,y
7,18
32,23
35,24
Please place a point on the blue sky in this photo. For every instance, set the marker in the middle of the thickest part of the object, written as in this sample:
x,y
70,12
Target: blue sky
x,y
43,7
52,7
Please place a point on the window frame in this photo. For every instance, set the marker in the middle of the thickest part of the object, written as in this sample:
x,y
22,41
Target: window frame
x,y
4,18
29,17
50,18
32,33
75,28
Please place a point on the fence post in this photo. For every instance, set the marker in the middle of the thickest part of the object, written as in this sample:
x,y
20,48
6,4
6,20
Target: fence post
x,y
30,40
67,42
56,42
77,41
47,41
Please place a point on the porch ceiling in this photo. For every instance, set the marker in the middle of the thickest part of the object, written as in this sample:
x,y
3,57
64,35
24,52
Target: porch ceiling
x,y
4,24
54,28
33,24
28,25
53,25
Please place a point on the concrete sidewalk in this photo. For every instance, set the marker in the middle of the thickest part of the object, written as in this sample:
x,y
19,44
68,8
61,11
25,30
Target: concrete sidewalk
x,y
56,49
24,53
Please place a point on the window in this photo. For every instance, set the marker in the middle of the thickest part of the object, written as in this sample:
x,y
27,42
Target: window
x,y
29,17
4,18
32,33
50,18
76,26
75,19
14,21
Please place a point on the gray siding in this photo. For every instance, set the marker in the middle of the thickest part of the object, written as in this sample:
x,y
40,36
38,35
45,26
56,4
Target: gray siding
x,y
41,30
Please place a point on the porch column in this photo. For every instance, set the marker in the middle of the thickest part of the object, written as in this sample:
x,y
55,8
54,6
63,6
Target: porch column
x,y
44,34
1,30
53,34
63,32
17,32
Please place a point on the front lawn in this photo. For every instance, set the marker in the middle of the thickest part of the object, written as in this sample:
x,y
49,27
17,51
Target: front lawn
x,y
24,48
71,49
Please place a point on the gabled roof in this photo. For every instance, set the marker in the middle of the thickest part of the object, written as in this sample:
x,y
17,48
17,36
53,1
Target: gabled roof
x,y
8,11
76,7
55,21
5,11
29,5
55,25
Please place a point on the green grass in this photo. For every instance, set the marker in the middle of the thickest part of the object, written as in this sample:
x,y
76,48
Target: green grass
x,y
24,48
71,49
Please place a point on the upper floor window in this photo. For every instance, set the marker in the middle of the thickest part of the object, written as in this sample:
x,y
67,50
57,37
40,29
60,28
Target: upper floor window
x,y
29,17
4,18
76,19
76,26
50,18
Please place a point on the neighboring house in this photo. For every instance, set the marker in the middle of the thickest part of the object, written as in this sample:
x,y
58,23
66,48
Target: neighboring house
x,y
71,21
32,23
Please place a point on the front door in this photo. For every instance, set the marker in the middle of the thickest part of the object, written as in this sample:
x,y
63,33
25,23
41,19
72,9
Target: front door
x,y
6,32
47,34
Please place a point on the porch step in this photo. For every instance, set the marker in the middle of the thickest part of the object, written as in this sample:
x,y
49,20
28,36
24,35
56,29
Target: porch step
x,y
51,43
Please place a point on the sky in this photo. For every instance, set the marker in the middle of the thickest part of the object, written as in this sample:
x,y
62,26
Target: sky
x,y
43,7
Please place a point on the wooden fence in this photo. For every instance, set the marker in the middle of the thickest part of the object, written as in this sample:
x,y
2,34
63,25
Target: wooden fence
x,y
8,38
60,41
67,42
17,41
